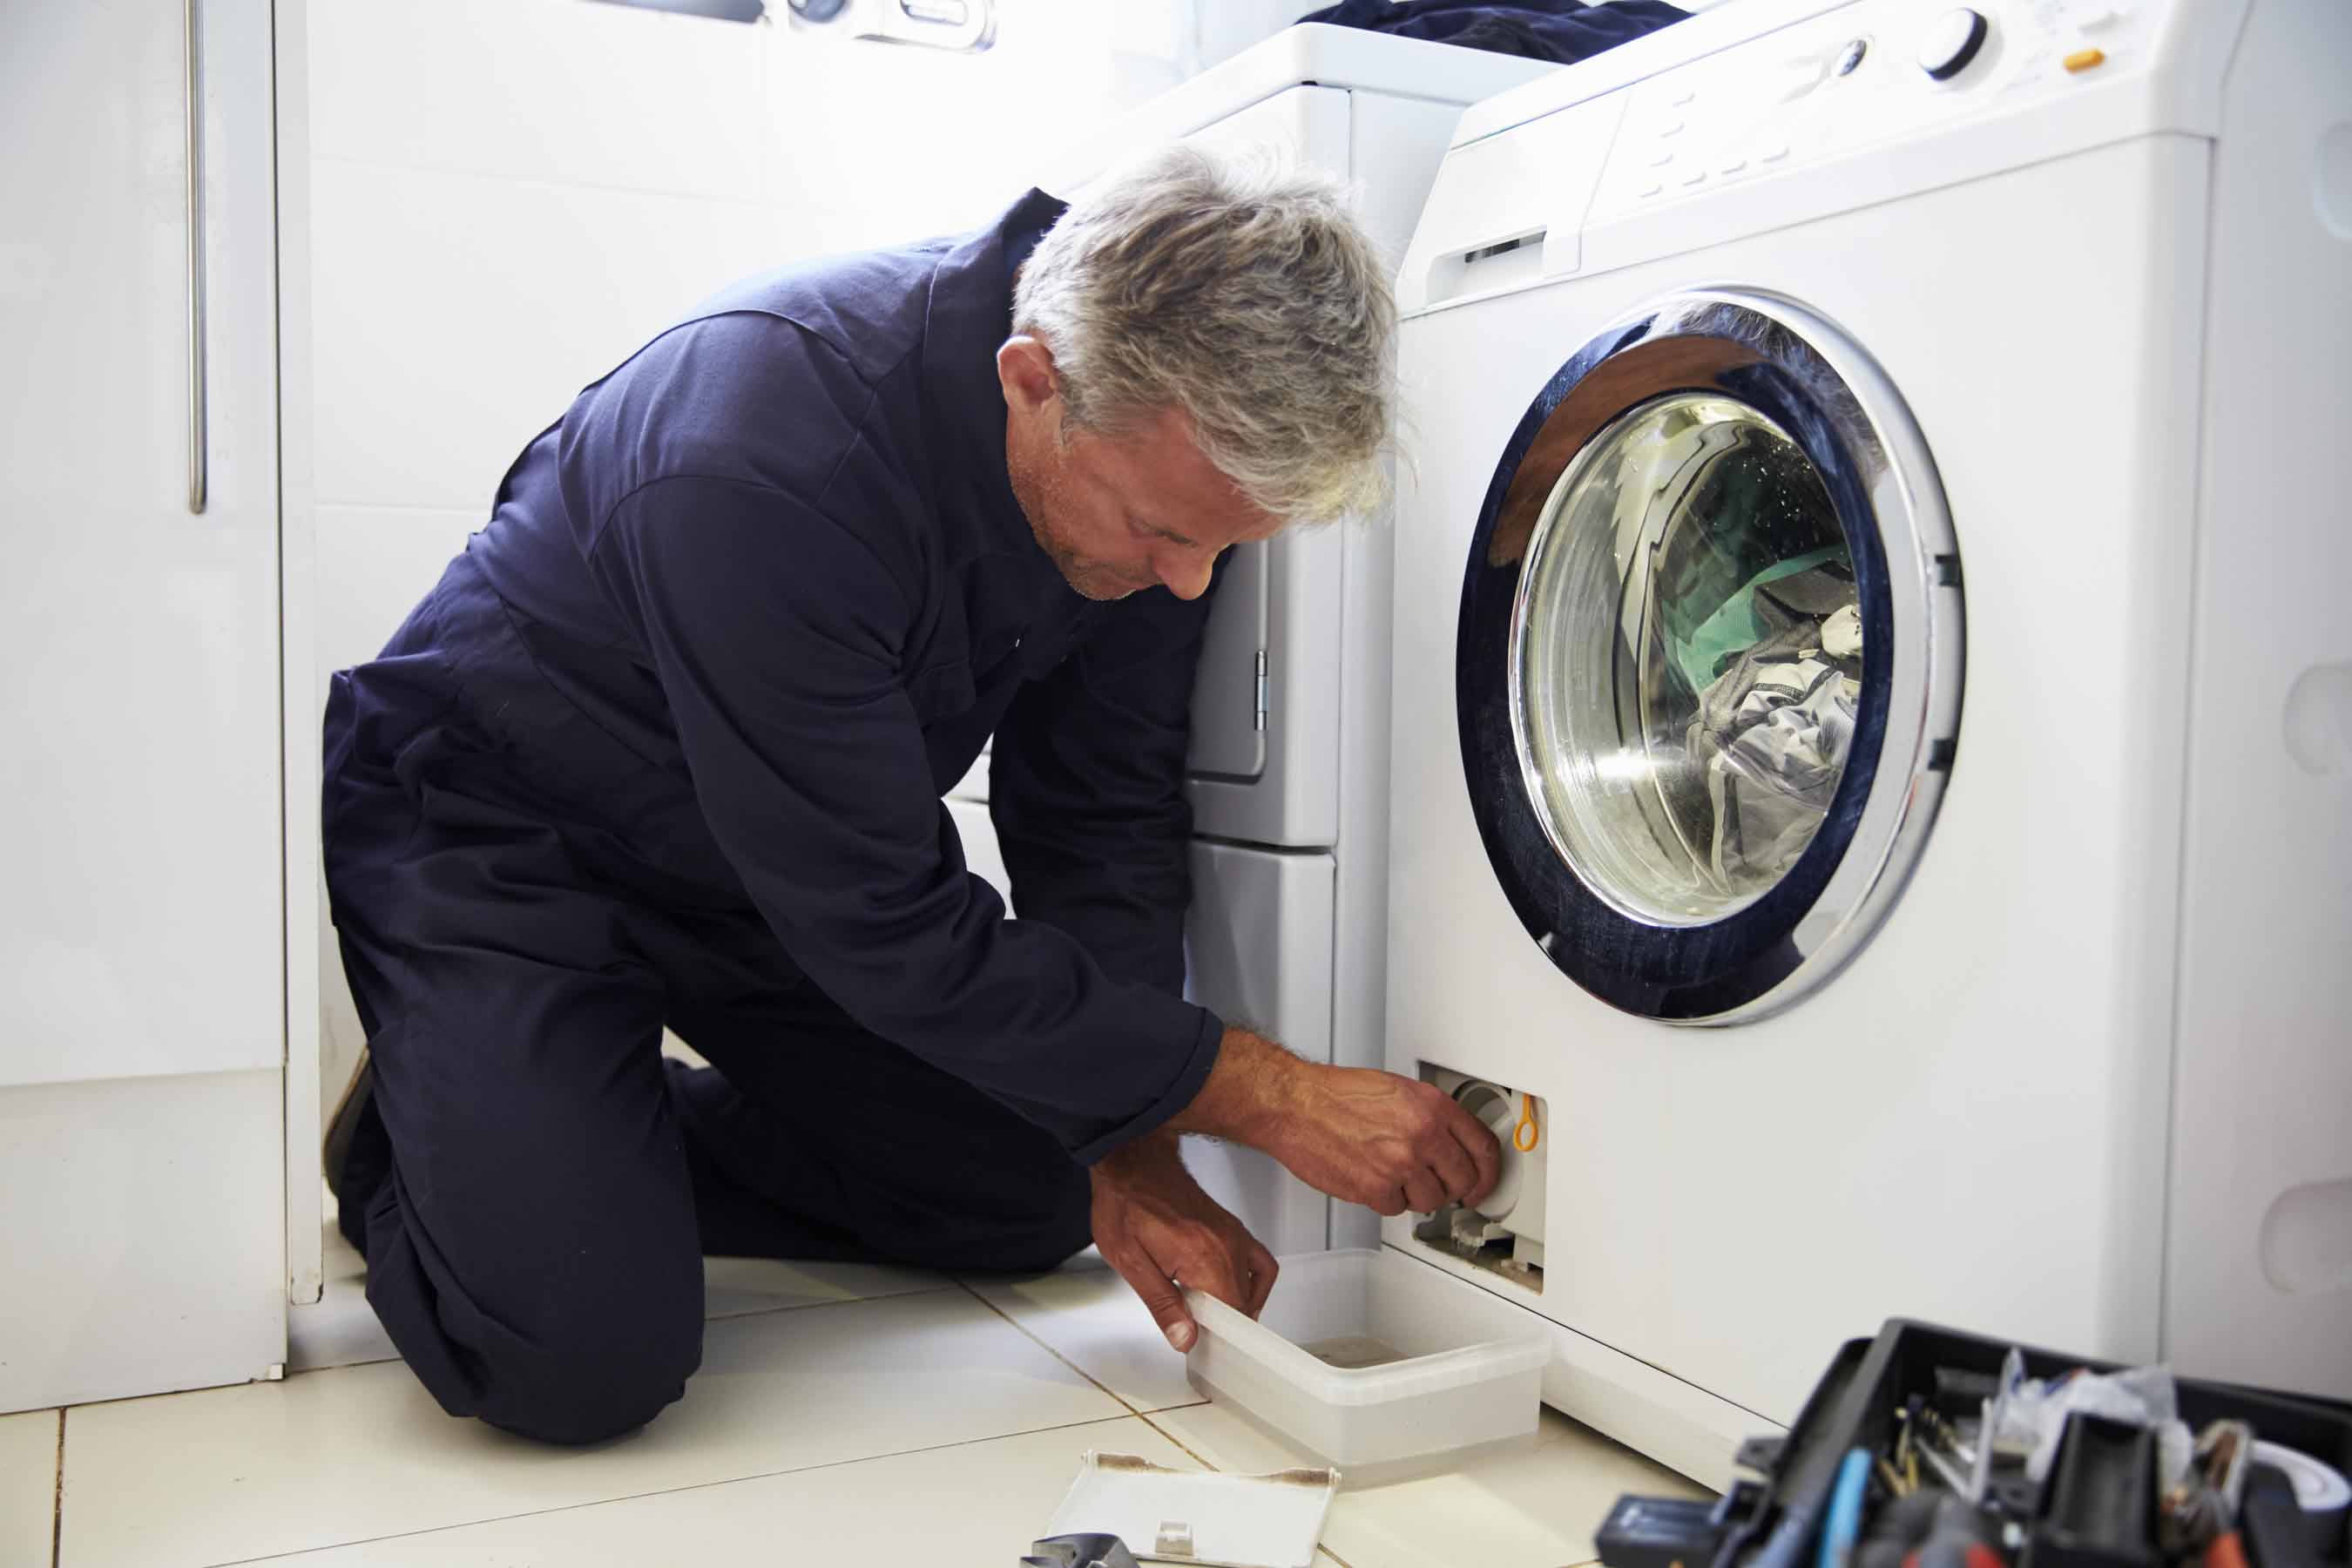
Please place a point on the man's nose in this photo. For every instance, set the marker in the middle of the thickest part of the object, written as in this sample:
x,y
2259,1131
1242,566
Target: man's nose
x,y
1187,578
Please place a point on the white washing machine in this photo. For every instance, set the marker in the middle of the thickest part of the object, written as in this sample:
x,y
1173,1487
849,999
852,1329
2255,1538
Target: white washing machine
x,y
1873,581
1289,752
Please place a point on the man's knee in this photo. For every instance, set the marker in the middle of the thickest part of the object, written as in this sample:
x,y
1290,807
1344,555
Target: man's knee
x,y
571,1359
584,1383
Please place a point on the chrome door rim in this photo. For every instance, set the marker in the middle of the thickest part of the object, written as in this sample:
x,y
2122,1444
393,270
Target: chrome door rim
x,y
1837,407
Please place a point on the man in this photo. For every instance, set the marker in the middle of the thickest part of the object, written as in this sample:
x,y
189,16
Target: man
x,y
665,747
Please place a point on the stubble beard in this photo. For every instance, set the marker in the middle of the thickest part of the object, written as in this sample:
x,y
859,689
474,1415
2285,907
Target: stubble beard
x,y
1089,579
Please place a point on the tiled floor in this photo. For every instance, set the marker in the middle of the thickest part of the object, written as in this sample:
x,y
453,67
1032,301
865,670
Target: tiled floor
x,y
841,1413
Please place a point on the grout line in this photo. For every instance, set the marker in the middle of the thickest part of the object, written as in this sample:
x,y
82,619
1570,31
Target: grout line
x,y
940,1289
1183,1445
1172,1409
396,1358
1123,1404
57,1499
668,1491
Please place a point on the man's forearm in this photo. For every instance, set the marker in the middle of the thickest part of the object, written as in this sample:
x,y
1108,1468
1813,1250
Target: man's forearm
x,y
1357,1133
1253,1086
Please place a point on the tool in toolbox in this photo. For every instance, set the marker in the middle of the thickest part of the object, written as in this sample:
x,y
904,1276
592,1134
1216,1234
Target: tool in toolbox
x,y
1930,1448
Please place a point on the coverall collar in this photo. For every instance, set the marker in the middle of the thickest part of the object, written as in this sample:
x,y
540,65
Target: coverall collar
x,y
969,317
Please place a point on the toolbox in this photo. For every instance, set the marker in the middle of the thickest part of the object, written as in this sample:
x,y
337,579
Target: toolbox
x,y
1829,1494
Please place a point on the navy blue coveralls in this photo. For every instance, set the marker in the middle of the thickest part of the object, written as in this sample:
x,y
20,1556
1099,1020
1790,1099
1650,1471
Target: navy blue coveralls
x,y
665,747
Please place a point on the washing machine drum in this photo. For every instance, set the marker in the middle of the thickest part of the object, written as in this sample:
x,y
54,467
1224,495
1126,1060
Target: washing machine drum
x,y
1709,664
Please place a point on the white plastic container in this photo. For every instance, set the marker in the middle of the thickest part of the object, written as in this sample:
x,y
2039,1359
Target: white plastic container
x,y
1376,1363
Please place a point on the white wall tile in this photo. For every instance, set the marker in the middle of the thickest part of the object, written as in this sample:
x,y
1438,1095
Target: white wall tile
x,y
458,316
541,90
940,141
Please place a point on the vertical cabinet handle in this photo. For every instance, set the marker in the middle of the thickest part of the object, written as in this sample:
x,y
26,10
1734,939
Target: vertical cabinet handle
x,y
197,435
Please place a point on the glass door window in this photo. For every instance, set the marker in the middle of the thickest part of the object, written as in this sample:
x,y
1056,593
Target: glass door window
x,y
1687,659
1709,669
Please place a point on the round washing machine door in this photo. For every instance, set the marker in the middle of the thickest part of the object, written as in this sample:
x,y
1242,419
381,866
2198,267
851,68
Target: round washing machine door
x,y
1708,675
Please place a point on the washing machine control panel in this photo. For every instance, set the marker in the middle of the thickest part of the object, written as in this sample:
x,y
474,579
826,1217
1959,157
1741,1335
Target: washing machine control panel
x,y
1863,77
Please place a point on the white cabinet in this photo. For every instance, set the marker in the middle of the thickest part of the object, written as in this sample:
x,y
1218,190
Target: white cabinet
x,y
142,910
1257,948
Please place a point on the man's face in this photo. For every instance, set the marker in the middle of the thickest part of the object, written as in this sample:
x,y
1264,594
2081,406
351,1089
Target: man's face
x,y
1117,514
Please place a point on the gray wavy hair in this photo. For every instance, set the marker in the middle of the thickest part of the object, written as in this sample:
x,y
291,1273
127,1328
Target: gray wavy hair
x,y
1242,292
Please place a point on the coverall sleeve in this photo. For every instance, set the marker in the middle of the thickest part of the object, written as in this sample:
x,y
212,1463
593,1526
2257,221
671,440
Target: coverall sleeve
x,y
777,636
1086,789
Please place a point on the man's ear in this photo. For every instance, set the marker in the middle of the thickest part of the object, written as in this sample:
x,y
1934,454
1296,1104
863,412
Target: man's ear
x,y
1024,368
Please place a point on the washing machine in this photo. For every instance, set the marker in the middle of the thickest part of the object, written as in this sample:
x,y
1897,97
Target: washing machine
x,y
1871,823
1287,771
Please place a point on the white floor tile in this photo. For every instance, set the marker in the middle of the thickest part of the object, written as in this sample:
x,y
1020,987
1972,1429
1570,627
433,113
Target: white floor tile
x,y
330,1457
1090,1317
29,1484
980,1503
1532,1508
341,1330
733,1287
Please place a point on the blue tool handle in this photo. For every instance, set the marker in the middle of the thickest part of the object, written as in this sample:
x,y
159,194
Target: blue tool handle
x,y
1844,1527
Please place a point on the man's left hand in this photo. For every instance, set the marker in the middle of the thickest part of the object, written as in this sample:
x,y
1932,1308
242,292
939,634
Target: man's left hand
x,y
1163,1233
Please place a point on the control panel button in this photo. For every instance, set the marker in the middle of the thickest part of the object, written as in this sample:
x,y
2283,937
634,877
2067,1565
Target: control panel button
x,y
1772,153
1669,128
1659,160
1685,95
1651,189
1695,177
1731,166
2085,59
1953,40
1850,58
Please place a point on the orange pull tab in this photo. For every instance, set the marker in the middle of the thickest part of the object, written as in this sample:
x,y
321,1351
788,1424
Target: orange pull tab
x,y
1524,1136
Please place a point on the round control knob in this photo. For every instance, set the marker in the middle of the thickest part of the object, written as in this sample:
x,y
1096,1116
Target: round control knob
x,y
1952,42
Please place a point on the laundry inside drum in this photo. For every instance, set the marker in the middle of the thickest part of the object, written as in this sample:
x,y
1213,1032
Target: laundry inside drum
x,y
1687,657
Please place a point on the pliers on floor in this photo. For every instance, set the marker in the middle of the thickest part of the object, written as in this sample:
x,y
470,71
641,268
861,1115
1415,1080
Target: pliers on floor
x,y
1081,1552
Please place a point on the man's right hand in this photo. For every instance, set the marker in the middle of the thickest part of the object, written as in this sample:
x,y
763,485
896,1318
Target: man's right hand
x,y
1389,1143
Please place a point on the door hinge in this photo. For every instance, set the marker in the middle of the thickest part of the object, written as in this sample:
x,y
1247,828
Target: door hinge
x,y
1260,718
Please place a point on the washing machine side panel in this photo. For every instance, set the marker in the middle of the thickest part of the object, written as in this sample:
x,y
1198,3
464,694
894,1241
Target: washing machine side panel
x,y
2260,1267
1395,145
1966,1124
